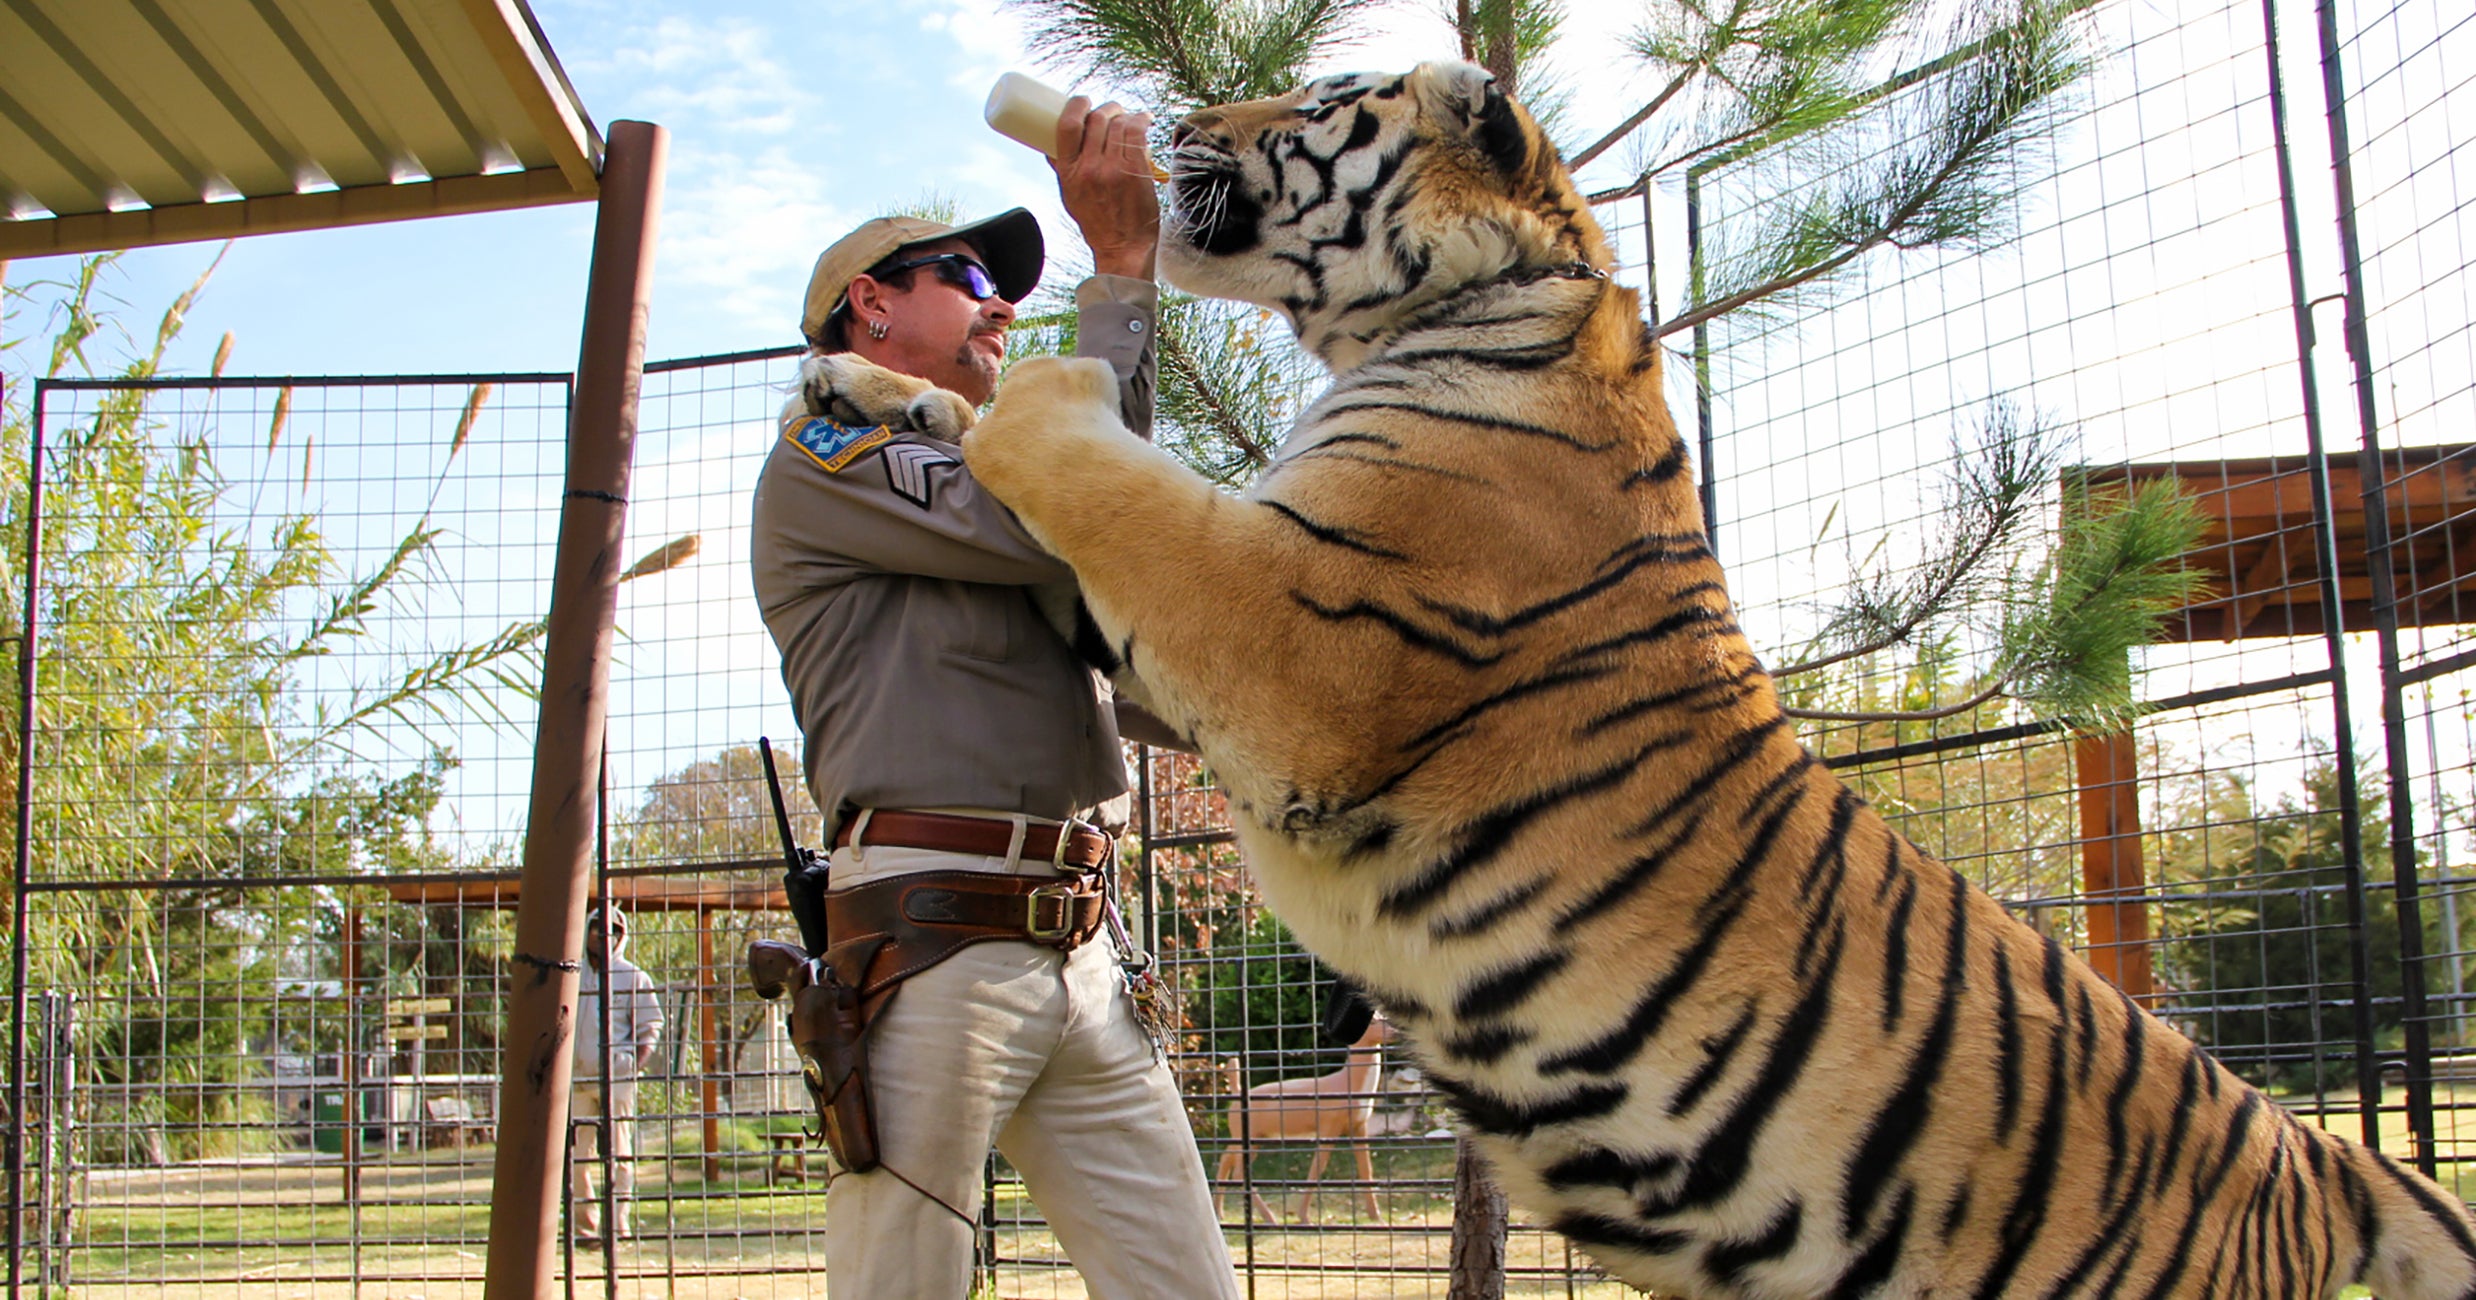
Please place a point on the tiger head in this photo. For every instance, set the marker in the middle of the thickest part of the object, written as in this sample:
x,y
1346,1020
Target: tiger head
x,y
1349,204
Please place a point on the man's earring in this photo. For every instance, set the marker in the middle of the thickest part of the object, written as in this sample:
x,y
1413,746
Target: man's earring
x,y
878,329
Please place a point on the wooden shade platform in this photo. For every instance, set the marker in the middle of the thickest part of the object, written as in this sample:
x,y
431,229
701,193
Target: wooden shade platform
x,y
694,894
493,890
2259,559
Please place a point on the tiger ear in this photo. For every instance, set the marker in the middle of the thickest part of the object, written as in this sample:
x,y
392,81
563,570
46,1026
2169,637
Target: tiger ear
x,y
1467,96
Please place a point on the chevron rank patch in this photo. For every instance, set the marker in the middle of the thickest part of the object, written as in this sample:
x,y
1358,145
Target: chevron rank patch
x,y
831,445
909,471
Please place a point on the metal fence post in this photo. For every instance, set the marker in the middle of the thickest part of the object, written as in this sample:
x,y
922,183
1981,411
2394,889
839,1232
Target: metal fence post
x,y
16,1154
542,994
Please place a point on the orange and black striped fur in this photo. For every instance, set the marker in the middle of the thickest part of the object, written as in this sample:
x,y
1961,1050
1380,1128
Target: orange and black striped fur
x,y
1499,750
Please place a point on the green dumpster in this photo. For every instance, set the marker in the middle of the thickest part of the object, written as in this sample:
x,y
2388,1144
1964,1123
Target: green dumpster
x,y
327,1124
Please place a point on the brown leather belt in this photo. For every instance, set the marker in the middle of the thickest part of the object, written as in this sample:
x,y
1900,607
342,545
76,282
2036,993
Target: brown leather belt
x,y
920,919
1086,847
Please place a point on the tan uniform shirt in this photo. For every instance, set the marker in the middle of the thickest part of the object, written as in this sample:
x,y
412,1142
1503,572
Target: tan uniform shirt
x,y
894,587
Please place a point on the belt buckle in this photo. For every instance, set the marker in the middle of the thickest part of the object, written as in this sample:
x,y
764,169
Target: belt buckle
x,y
1034,930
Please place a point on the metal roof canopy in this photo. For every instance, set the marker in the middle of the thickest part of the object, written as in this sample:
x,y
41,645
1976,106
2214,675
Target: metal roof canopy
x,y
133,122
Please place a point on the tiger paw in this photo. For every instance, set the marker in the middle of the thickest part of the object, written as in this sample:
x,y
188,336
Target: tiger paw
x,y
848,390
1046,397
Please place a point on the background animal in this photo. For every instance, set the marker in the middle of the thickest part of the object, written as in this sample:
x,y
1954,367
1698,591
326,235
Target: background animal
x,y
1328,1108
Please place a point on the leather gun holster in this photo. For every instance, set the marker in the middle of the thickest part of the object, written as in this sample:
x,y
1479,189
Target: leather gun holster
x,y
828,1026
900,927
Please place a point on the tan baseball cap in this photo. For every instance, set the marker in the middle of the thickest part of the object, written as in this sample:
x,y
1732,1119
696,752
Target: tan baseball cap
x,y
1009,243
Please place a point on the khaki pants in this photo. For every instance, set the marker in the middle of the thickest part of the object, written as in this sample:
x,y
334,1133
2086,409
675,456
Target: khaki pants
x,y
1038,1053
616,1102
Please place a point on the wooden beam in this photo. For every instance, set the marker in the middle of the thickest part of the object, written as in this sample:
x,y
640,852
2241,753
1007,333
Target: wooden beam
x,y
94,232
2108,771
636,893
2265,576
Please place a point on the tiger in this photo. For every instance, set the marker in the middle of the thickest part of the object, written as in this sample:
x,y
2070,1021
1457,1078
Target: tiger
x,y
1498,750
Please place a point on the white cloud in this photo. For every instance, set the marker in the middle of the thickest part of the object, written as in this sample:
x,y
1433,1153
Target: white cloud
x,y
739,232
988,40
718,76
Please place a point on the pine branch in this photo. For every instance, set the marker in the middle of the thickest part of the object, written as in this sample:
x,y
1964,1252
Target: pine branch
x,y
1188,53
1221,419
1979,700
1640,115
1950,190
1993,477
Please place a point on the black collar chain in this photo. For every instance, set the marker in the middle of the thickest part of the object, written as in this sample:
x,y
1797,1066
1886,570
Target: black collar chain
x,y
1534,274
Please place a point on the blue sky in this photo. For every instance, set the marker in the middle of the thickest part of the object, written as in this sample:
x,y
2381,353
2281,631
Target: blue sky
x,y
789,123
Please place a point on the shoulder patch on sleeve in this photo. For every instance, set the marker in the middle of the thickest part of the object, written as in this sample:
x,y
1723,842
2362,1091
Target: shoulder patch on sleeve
x,y
909,471
831,445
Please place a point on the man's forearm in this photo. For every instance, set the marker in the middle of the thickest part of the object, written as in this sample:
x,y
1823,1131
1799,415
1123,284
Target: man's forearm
x,y
1137,263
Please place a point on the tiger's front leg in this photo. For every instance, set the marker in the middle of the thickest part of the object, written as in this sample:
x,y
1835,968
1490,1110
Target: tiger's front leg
x,y
1192,587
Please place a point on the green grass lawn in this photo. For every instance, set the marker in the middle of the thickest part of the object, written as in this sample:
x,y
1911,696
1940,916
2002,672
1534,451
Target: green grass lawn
x,y
286,1231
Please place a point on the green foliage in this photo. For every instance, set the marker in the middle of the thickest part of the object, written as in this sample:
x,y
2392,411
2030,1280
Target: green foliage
x,y
2114,576
2257,951
1180,55
1834,159
2063,615
176,739
1257,997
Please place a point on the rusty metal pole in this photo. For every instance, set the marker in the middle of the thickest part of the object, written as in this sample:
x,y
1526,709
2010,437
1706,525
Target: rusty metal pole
x,y
558,839
709,1043
353,1008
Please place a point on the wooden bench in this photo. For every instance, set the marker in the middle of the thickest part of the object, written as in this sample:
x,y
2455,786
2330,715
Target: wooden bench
x,y
452,1123
788,1160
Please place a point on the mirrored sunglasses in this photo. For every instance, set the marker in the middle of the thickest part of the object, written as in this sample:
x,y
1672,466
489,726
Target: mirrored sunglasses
x,y
955,269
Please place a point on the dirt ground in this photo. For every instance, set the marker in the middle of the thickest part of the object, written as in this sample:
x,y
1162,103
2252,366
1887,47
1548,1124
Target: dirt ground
x,y
286,1230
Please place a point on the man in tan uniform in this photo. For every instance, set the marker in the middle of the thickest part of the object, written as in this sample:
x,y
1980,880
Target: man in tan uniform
x,y
950,731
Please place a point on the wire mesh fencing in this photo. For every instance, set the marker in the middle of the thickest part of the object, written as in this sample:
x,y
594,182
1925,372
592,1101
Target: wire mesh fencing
x,y
2265,857
279,710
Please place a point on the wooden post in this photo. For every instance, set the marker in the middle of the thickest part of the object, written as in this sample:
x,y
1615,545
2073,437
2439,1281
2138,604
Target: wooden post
x,y
543,971
1478,1229
711,1043
2108,770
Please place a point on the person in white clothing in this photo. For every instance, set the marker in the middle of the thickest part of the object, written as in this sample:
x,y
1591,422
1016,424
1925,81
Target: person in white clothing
x,y
608,1097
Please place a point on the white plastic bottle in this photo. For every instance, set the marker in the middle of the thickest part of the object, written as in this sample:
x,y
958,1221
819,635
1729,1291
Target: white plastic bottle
x,y
1027,111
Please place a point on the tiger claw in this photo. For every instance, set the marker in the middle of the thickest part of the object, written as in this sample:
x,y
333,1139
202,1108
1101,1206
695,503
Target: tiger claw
x,y
848,390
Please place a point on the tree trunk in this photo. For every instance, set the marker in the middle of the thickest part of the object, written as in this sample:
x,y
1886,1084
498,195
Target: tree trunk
x,y
1478,1229
1501,58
